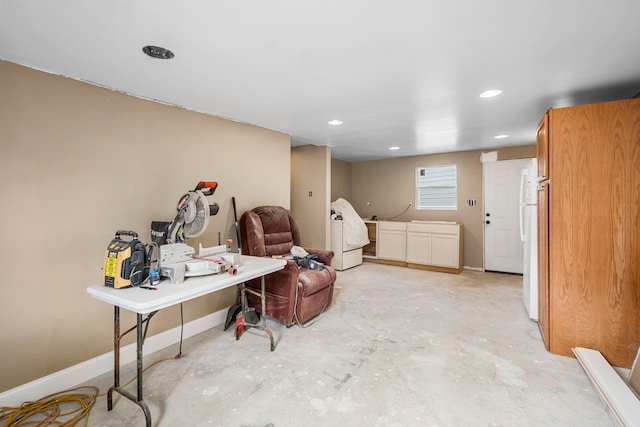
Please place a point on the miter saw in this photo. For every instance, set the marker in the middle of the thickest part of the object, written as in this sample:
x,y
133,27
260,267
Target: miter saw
x,y
192,217
193,212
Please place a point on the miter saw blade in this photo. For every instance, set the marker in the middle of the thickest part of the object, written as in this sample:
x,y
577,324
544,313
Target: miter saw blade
x,y
196,216
191,209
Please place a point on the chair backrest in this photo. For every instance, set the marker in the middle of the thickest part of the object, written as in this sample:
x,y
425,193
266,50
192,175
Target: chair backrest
x,y
268,231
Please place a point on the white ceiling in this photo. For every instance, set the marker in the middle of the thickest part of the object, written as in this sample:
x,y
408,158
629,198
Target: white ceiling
x,y
405,73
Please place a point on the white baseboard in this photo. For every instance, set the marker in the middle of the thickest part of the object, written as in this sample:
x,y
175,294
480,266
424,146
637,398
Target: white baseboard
x,y
466,267
85,371
623,406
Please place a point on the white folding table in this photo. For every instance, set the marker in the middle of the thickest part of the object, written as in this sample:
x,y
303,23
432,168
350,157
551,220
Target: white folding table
x,y
146,302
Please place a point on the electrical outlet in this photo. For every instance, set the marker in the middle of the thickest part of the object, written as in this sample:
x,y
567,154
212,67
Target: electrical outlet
x,y
369,203
410,203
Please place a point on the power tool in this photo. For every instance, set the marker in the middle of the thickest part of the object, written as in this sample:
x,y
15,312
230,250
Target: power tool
x,y
126,261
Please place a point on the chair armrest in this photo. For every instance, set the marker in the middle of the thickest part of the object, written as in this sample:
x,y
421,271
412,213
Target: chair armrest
x,y
281,283
324,256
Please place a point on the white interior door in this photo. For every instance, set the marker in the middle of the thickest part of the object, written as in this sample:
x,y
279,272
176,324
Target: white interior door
x,y
503,249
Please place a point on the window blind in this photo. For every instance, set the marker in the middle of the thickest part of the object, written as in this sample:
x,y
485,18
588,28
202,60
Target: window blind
x,y
437,187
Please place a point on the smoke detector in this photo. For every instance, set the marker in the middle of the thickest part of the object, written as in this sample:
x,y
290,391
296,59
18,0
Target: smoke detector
x,y
158,52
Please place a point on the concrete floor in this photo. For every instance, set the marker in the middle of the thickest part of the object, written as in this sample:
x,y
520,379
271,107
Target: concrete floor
x,y
398,347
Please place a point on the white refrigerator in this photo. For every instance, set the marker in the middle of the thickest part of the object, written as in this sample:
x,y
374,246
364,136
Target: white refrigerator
x,y
529,235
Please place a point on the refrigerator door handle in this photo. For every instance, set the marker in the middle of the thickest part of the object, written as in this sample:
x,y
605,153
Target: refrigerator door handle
x,y
523,189
542,184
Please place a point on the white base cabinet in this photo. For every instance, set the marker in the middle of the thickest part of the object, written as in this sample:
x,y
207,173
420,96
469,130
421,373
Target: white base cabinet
x,y
429,245
419,247
437,245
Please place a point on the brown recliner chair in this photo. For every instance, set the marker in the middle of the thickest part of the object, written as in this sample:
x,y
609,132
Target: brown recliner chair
x,y
294,294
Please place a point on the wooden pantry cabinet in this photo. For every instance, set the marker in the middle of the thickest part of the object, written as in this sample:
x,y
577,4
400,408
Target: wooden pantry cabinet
x,y
589,229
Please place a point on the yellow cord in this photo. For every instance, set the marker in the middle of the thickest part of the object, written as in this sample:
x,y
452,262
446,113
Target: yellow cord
x,y
64,408
47,411
144,370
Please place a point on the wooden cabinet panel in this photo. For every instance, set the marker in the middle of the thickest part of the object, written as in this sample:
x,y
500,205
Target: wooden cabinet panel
x,y
543,263
594,227
542,152
542,146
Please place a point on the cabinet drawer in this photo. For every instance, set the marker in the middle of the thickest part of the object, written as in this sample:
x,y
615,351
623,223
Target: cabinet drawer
x,y
434,228
351,259
390,225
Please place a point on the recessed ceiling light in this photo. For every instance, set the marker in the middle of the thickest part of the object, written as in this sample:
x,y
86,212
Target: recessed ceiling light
x,y
501,136
490,93
394,148
335,122
158,52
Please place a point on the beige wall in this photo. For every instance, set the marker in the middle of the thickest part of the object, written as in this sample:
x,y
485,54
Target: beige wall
x,y
390,185
80,162
311,172
340,180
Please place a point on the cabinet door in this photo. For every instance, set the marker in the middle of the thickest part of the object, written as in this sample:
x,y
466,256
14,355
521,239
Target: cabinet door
x,y
445,250
392,244
594,229
542,146
543,263
419,248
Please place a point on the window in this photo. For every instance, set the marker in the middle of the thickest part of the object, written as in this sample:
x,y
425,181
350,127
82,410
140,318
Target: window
x,y
436,187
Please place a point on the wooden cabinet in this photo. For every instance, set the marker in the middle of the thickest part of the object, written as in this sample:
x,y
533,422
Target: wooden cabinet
x,y
592,296
542,145
392,240
433,244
